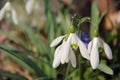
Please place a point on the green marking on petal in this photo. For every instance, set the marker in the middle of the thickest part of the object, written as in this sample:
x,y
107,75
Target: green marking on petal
x,y
74,46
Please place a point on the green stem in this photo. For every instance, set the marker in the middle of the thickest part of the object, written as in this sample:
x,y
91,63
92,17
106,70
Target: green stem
x,y
94,20
67,71
80,67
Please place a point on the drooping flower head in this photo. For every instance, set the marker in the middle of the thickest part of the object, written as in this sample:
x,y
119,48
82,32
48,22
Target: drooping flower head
x,y
8,8
64,52
93,49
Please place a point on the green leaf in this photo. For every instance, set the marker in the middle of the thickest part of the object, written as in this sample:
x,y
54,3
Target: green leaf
x,y
102,15
17,60
50,21
112,36
23,58
105,69
34,38
14,38
84,19
44,78
87,73
12,75
94,20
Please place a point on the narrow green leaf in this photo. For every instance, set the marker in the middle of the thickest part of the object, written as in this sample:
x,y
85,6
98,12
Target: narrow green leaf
x,y
14,38
64,21
17,60
23,57
84,19
36,40
105,69
102,15
50,23
12,75
94,19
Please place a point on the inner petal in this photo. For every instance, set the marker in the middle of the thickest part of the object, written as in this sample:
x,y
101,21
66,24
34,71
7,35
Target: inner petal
x,y
65,51
74,38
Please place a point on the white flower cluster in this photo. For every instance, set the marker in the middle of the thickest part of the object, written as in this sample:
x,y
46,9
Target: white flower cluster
x,y
65,53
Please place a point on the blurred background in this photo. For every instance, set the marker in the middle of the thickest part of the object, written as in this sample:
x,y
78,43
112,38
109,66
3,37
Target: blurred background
x,y
28,27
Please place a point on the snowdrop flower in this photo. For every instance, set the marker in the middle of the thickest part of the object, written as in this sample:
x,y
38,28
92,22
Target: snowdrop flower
x,y
32,5
93,47
64,52
29,6
8,7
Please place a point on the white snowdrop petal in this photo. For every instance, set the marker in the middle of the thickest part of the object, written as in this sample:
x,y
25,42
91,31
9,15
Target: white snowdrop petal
x,y
56,61
14,16
72,58
94,55
57,50
74,38
94,59
3,10
68,58
83,49
100,42
29,6
65,51
56,41
90,46
107,50
118,19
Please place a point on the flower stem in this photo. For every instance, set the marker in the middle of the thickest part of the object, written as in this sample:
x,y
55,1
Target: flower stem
x,y
94,20
80,67
67,71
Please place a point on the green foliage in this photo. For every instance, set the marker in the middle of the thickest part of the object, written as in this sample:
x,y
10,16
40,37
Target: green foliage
x,y
39,61
94,20
12,75
22,57
105,69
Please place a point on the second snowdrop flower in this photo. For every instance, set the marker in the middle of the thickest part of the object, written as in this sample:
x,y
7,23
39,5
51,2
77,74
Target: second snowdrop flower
x,y
93,47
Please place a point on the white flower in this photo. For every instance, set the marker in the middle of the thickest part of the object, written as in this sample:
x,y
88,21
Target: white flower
x,y
14,16
32,5
93,47
64,52
29,6
8,7
4,9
